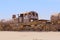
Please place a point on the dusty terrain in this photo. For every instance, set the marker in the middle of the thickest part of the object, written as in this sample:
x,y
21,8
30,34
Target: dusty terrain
x,y
4,35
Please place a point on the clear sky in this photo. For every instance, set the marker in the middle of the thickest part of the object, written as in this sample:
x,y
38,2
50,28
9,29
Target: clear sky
x,y
44,7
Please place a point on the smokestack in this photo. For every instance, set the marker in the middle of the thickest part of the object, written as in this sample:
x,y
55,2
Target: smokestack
x,y
13,16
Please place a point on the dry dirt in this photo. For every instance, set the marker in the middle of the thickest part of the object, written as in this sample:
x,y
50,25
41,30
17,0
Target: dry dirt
x,y
5,35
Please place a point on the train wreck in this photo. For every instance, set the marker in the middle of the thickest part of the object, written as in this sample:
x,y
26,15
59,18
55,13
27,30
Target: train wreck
x,y
29,21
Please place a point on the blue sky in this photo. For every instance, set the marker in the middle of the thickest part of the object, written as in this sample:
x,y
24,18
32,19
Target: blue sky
x,y
43,7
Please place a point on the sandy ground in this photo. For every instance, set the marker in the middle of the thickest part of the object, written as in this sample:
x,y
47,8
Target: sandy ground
x,y
4,35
